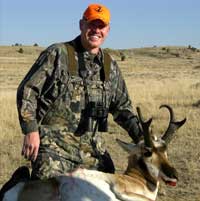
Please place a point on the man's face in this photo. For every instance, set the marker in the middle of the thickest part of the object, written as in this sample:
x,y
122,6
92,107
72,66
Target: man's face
x,y
93,33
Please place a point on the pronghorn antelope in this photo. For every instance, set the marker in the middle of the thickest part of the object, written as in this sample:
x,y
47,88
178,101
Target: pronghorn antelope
x,y
147,165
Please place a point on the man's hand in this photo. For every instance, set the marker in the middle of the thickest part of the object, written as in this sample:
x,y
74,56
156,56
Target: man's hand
x,y
31,145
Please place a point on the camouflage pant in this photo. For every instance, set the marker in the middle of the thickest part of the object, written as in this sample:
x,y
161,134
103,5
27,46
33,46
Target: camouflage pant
x,y
61,152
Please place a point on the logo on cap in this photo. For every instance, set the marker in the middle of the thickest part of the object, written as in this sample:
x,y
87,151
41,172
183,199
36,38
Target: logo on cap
x,y
99,9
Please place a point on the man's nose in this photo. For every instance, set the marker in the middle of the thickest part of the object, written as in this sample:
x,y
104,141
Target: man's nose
x,y
95,28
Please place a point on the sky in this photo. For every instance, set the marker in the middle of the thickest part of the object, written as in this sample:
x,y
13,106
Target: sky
x,y
134,23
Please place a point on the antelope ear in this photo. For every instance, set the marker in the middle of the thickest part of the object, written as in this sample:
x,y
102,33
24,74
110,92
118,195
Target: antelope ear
x,y
128,147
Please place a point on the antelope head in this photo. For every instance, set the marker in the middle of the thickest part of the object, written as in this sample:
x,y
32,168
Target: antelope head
x,y
149,158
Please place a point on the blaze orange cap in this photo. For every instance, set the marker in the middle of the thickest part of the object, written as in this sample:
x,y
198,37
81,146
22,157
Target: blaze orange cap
x,y
97,12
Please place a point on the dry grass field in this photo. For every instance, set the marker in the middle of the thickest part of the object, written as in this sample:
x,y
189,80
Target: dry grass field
x,y
154,76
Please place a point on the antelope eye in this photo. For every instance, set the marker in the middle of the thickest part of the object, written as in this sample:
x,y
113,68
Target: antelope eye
x,y
148,152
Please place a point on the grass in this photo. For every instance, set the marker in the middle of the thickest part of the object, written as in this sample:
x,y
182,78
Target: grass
x,y
152,79
11,137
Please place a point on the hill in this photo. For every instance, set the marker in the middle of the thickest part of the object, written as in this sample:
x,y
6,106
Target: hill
x,y
11,60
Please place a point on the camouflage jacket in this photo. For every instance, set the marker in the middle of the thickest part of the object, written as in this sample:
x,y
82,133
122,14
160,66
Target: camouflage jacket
x,y
48,86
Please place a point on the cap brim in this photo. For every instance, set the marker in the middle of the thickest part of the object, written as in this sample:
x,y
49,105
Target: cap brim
x,y
98,18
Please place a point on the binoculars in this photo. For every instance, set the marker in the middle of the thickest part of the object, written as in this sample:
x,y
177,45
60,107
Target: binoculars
x,y
92,114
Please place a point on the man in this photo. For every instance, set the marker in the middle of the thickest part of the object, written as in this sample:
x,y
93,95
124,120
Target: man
x,y
64,100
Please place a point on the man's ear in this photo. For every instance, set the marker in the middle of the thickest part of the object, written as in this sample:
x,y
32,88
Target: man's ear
x,y
81,24
109,28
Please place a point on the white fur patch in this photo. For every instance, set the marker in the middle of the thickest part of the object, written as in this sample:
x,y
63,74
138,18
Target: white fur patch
x,y
153,170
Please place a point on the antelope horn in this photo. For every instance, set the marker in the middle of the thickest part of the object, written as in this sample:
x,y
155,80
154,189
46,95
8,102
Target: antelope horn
x,y
145,127
173,125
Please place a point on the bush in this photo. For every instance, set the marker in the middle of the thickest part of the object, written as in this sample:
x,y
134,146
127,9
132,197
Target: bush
x,y
194,49
21,50
122,55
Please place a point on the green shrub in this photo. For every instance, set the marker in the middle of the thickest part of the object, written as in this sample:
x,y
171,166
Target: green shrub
x,y
21,50
123,56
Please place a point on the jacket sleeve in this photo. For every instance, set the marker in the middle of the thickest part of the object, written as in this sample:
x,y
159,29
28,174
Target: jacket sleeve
x,y
31,87
121,106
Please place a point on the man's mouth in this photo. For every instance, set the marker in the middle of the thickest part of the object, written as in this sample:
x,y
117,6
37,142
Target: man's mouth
x,y
94,37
